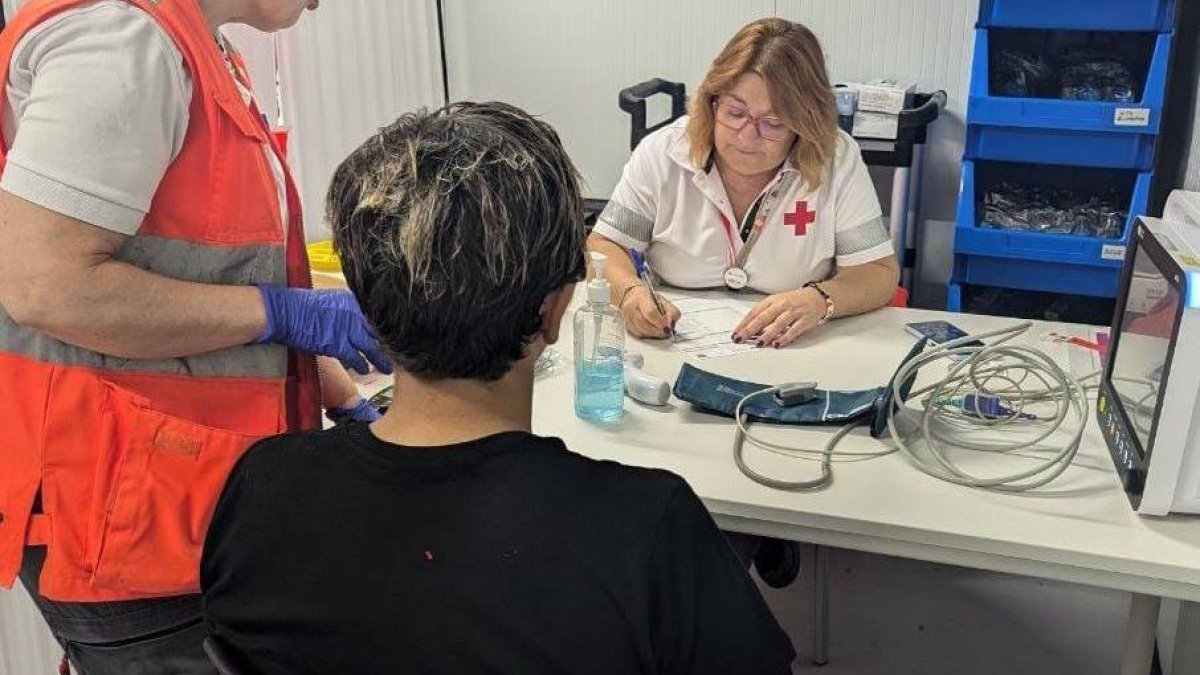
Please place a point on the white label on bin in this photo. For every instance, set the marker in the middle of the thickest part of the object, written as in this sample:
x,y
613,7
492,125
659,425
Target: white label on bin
x,y
1112,252
1132,117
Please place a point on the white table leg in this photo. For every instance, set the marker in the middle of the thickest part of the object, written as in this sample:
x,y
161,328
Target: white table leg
x,y
820,593
898,214
1139,634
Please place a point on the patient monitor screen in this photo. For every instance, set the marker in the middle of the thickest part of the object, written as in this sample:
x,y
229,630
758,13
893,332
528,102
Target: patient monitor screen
x,y
1140,352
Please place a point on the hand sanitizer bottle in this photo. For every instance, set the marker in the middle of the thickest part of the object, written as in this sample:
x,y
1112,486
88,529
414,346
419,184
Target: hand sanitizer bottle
x,y
599,351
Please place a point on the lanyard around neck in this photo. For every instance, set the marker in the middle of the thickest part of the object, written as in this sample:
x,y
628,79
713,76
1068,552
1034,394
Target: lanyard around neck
x,y
760,212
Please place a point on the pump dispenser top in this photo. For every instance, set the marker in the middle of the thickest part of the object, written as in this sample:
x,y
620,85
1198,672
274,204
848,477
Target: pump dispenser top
x,y
598,292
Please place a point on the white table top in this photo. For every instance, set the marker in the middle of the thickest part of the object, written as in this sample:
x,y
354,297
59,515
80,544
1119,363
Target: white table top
x,y
1081,528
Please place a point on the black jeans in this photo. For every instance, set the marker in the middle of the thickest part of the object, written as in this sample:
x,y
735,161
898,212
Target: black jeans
x,y
163,636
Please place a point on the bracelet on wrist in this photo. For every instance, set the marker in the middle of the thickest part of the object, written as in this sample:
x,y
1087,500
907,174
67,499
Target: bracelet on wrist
x,y
829,306
625,293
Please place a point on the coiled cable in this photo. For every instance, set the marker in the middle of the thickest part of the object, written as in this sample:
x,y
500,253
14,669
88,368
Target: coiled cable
x,y
1021,378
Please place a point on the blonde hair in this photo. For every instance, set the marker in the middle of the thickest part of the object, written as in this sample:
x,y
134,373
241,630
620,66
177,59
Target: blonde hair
x,y
788,56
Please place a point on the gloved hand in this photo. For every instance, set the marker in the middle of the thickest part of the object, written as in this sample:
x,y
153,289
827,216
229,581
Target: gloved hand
x,y
362,411
324,323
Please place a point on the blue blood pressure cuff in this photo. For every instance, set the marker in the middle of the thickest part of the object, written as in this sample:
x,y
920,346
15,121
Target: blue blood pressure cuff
x,y
721,395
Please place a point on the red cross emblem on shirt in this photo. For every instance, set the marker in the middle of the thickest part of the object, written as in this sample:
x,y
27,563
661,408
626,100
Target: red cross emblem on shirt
x,y
800,218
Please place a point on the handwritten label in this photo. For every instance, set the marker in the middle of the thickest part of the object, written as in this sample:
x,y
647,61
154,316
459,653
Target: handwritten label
x,y
1131,117
1112,252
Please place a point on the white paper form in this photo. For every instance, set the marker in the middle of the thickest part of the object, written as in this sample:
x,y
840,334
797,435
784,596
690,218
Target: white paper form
x,y
705,328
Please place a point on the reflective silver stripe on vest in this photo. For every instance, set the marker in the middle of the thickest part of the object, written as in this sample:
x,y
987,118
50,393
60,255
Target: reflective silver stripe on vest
x,y
240,265
187,261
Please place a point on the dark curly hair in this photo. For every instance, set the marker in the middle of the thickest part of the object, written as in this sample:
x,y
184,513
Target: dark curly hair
x,y
453,226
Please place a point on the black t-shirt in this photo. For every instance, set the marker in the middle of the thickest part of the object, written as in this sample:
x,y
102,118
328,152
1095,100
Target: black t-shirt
x,y
335,552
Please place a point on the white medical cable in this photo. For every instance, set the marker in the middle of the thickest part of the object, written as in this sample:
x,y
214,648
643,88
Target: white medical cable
x,y
817,483
978,367
977,370
825,456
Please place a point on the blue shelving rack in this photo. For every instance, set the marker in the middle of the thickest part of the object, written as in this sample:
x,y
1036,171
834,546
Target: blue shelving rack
x,y
1086,146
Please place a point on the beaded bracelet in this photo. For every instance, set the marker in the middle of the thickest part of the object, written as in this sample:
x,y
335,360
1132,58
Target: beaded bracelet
x,y
816,286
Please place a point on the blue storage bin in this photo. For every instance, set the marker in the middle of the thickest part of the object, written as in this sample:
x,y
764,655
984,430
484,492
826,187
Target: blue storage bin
x,y
1030,275
1079,15
1060,146
1034,52
1065,263
1141,117
1137,15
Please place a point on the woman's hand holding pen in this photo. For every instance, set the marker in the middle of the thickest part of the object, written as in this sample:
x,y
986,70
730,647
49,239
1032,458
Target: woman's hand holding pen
x,y
641,314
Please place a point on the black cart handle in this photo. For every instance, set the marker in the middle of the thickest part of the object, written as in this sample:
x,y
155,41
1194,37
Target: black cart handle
x,y
929,107
633,101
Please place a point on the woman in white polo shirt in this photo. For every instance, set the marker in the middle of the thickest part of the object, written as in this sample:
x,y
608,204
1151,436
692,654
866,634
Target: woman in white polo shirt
x,y
757,188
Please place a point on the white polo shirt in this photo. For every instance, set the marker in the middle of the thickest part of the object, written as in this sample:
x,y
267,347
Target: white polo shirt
x,y
680,216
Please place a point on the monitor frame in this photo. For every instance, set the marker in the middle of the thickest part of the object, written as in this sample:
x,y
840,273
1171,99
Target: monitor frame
x,y
1121,436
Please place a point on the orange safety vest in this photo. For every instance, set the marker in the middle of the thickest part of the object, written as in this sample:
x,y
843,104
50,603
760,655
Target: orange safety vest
x,y
130,456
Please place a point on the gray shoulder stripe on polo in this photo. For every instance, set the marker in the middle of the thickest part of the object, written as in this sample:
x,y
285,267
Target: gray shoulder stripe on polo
x,y
861,237
629,222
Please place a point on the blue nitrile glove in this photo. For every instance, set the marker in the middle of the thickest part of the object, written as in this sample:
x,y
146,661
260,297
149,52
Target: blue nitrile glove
x,y
362,411
324,323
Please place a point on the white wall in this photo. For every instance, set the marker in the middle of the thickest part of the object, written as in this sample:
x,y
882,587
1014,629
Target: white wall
x,y
349,68
567,61
1191,179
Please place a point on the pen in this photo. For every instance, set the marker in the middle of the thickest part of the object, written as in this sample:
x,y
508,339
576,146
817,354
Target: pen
x,y
643,271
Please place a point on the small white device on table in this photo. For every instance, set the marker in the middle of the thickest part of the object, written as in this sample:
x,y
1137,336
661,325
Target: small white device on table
x,y
1149,402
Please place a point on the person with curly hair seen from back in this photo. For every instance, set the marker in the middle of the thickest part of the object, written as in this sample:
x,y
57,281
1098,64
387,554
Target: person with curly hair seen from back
x,y
446,537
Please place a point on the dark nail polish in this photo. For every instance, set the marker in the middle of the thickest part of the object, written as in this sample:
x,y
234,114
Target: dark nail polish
x,y
775,345
758,343
737,340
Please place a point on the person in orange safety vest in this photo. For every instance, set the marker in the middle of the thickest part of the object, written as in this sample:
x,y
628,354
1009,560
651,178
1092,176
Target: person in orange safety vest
x,y
156,313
